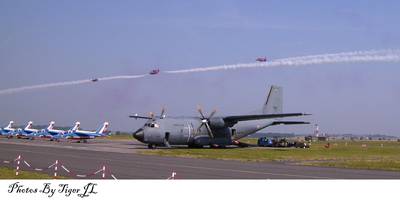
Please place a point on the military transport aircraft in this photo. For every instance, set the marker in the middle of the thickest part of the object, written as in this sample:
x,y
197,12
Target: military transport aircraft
x,y
213,131
80,135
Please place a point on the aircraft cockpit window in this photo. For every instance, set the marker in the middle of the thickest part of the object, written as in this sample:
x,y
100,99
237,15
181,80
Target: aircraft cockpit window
x,y
154,125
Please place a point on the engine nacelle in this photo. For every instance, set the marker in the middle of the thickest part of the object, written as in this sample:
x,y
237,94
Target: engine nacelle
x,y
217,122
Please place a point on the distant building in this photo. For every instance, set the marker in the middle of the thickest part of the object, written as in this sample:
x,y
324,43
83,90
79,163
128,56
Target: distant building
x,y
316,131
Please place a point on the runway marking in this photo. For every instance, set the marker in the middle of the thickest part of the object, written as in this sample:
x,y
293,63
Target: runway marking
x,y
246,171
38,169
6,161
188,166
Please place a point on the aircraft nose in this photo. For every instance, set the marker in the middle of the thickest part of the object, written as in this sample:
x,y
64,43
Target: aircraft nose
x,y
139,135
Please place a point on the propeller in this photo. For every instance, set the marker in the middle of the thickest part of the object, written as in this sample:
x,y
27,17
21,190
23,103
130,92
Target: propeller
x,y
151,115
205,121
162,115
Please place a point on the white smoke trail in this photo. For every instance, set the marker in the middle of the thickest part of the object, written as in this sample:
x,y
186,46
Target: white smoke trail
x,y
346,57
48,85
122,77
352,53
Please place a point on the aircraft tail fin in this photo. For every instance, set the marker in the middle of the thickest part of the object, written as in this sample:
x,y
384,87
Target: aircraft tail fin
x,y
76,127
104,128
10,125
274,102
29,126
51,125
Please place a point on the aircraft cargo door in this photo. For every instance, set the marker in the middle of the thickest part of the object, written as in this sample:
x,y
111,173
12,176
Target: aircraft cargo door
x,y
185,133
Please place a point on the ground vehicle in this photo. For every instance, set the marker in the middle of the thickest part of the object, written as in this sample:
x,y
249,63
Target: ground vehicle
x,y
273,142
280,142
264,142
301,145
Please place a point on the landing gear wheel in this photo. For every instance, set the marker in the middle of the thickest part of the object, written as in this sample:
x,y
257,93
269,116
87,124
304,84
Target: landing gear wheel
x,y
195,146
151,146
214,146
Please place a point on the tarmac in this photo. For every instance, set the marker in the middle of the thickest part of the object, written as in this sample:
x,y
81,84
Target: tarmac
x,y
122,159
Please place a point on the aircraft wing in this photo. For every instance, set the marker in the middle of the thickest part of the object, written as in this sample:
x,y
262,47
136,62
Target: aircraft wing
x,y
231,120
87,135
139,117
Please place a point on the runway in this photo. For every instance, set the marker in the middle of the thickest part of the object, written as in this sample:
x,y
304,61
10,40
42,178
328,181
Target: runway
x,y
122,158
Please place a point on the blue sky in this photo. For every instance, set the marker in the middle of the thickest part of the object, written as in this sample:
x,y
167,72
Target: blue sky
x,y
52,41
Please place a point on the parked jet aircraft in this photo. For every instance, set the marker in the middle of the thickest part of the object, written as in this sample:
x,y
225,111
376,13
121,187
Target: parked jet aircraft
x,y
8,131
212,130
28,132
51,133
80,135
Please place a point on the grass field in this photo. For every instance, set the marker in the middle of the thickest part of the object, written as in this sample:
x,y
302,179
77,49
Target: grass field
x,y
351,154
8,173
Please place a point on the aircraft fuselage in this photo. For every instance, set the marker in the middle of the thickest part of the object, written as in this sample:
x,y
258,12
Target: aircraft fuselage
x,y
185,131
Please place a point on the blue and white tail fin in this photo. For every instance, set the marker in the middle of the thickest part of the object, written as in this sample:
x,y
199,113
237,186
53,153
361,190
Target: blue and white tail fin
x,y
29,126
76,127
274,102
104,129
10,125
51,125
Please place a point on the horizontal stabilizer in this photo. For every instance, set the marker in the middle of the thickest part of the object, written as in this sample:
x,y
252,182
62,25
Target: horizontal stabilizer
x,y
289,122
232,120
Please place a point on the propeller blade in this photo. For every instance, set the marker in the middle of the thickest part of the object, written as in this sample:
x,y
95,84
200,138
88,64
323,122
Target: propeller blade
x,y
209,130
212,114
200,111
199,128
151,115
205,121
162,115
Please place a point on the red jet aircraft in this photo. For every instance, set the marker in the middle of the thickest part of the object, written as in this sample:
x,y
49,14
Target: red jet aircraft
x,y
261,59
154,71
